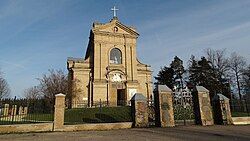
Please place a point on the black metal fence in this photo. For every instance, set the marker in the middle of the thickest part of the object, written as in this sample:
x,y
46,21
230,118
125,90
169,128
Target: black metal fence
x,y
240,108
21,111
100,103
99,112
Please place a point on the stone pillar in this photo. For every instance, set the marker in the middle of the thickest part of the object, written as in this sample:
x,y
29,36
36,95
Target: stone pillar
x,y
222,112
202,106
59,112
6,110
164,112
139,110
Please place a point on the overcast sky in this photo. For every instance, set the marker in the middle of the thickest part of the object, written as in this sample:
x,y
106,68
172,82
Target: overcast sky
x,y
37,35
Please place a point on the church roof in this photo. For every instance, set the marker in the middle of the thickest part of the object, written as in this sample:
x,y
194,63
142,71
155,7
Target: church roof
x,y
114,22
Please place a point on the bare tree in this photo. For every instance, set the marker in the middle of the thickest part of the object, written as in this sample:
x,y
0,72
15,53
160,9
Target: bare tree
x,y
32,93
237,65
4,88
219,61
53,83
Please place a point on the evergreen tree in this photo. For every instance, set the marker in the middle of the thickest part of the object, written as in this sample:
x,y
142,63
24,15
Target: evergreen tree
x,y
201,73
165,77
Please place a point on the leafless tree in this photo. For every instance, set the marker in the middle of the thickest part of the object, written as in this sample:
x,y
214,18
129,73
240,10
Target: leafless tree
x,y
237,66
53,83
32,93
4,88
219,61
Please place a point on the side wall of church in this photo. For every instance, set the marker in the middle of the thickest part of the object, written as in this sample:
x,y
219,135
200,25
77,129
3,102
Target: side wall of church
x,y
145,85
81,86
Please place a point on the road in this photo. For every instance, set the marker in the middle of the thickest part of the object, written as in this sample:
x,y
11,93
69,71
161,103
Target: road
x,y
180,133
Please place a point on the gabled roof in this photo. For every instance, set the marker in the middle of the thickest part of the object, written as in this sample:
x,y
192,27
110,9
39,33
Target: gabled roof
x,y
98,27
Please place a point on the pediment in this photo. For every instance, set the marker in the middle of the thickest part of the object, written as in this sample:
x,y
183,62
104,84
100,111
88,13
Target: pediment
x,y
114,27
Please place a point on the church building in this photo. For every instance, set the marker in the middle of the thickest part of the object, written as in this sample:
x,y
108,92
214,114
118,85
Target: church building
x,y
110,71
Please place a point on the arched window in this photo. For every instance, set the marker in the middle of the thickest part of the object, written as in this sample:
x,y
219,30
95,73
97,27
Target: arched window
x,y
115,56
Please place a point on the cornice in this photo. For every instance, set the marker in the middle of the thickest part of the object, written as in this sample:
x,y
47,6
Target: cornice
x,y
104,33
116,43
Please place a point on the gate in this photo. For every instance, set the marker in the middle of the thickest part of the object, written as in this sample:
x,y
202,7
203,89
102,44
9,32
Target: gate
x,y
151,113
183,107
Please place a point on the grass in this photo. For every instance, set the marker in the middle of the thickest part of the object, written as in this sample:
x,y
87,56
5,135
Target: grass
x,y
97,115
39,117
26,119
240,114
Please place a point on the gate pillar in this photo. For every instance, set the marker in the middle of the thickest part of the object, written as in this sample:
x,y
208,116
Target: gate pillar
x,y
164,113
202,106
59,112
139,110
221,107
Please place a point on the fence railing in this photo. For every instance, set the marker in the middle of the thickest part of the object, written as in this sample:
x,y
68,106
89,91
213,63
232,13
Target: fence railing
x,y
21,111
240,108
100,112
100,103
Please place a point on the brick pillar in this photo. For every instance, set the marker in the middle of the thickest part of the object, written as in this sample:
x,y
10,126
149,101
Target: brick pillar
x,y
202,106
222,112
59,112
139,110
164,113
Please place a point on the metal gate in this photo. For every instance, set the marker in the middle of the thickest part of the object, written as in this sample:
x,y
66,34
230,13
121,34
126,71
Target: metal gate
x,y
183,107
151,113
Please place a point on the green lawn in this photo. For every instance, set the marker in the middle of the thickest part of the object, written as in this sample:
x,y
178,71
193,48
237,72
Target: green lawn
x,y
240,114
25,119
97,115
39,117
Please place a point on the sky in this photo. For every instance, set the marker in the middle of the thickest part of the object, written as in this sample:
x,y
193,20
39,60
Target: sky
x,y
38,35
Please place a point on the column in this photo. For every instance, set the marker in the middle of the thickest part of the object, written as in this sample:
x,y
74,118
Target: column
x,y
221,107
59,112
164,113
139,110
202,106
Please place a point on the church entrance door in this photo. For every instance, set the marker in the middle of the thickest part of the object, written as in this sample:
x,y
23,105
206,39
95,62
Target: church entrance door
x,y
121,97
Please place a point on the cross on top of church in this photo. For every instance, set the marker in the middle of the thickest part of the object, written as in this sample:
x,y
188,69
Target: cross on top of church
x,y
114,10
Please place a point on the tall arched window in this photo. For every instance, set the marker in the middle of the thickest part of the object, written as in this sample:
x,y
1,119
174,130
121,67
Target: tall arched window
x,y
115,56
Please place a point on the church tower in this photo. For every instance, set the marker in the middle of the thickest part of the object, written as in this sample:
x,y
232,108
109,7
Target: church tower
x,y
110,71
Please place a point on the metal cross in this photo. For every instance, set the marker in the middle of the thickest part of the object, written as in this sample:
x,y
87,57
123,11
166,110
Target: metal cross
x,y
114,9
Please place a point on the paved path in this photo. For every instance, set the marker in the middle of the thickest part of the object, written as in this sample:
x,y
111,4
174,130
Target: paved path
x,y
180,133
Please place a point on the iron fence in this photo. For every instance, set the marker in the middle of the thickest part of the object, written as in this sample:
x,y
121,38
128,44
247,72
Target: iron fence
x,y
21,111
100,103
99,112
240,108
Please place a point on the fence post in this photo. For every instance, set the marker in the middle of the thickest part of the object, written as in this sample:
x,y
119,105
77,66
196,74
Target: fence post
x,y
222,112
59,112
164,113
139,110
202,106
